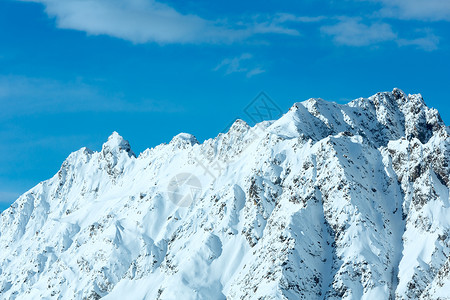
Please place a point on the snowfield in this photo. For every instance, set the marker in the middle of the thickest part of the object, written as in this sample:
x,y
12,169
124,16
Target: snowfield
x,y
328,202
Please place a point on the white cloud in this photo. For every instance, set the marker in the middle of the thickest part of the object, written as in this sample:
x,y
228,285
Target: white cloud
x,y
240,64
255,71
233,65
426,10
352,32
285,17
429,42
142,21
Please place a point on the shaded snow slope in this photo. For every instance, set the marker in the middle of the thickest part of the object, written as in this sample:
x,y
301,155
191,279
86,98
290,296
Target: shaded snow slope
x,y
330,201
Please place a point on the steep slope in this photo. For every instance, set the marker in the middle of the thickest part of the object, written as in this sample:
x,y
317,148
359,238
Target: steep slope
x,y
330,201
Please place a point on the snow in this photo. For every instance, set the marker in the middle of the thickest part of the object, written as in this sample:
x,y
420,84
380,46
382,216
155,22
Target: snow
x,y
183,140
329,201
116,144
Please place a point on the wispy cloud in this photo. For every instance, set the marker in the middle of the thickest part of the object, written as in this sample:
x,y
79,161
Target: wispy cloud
x,y
142,21
255,71
353,32
286,17
425,10
429,42
24,95
240,64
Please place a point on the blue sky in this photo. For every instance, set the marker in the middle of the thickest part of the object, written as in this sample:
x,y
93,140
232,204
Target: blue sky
x,y
73,71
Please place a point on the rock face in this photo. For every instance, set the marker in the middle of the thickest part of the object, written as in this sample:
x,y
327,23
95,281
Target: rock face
x,y
328,202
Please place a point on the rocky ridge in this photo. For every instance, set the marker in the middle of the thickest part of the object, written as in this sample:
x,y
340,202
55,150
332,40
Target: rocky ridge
x,y
328,202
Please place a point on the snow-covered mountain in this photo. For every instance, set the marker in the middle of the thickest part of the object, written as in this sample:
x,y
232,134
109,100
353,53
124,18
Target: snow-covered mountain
x,y
328,202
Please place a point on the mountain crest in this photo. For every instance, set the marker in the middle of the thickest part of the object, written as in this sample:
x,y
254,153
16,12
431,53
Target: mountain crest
x,y
183,140
116,144
330,201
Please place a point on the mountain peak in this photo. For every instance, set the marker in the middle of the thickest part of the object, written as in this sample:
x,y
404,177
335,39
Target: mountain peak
x,y
400,98
183,139
117,143
347,200
239,125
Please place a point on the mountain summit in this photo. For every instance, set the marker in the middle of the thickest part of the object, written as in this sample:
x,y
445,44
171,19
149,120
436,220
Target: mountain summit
x,y
329,201
116,144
